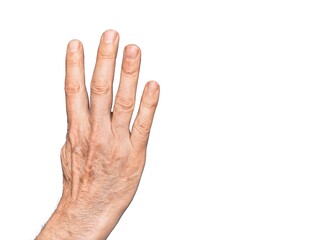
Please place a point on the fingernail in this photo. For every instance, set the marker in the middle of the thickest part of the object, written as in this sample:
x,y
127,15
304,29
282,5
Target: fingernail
x,y
131,51
152,87
73,46
109,36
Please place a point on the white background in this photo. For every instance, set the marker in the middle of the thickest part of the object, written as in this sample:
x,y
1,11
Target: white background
x,y
232,150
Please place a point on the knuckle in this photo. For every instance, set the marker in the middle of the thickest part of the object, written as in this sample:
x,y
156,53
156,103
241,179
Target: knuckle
x,y
129,70
74,61
124,104
107,52
142,128
99,89
151,105
96,139
72,135
80,150
72,89
76,133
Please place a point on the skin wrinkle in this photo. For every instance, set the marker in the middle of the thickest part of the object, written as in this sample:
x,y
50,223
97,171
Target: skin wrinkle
x,y
102,159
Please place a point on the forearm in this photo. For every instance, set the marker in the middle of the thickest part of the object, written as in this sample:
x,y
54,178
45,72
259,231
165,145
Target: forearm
x,y
75,224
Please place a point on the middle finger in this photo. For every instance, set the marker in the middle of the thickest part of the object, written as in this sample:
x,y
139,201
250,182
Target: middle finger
x,y
102,80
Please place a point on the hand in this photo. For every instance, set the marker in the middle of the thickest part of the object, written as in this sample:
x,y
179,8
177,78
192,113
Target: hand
x,y
102,160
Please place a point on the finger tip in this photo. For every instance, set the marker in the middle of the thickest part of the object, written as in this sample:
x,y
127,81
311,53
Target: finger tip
x,y
132,47
110,34
111,30
153,82
74,41
153,86
131,51
74,45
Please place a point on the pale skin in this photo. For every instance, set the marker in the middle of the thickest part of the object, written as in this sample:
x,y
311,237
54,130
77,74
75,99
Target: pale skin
x,y
103,157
